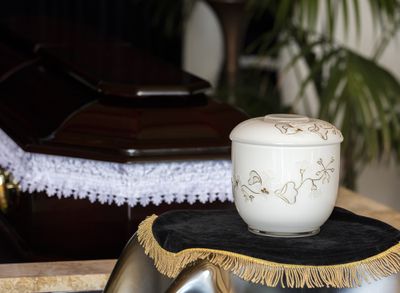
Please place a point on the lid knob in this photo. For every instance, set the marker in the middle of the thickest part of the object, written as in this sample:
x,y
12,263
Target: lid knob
x,y
286,118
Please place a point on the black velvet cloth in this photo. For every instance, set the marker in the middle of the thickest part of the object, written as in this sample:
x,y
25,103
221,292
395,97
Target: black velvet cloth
x,y
345,237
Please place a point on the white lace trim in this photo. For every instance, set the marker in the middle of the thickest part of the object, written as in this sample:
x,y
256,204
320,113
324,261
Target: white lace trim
x,y
107,182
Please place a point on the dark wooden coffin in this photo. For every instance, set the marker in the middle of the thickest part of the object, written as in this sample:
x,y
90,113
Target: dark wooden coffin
x,y
69,93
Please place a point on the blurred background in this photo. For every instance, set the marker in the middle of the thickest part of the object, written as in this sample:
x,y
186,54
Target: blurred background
x,y
275,56
334,60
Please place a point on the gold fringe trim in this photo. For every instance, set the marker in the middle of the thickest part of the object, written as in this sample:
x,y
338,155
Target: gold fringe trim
x,y
271,273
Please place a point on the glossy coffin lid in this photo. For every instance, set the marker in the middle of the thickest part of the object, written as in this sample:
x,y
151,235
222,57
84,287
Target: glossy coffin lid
x,y
109,66
121,70
46,111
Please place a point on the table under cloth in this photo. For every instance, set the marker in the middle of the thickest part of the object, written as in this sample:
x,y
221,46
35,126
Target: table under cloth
x,y
349,250
119,183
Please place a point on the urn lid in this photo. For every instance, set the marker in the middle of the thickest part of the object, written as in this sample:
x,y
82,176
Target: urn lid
x,y
286,129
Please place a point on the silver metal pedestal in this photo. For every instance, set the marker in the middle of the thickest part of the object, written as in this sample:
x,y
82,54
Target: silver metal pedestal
x,y
135,273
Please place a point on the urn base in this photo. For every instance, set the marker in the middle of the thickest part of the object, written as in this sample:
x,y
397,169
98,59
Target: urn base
x,y
284,234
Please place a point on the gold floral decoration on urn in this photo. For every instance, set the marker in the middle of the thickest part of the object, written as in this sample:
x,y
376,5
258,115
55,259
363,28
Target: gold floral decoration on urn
x,y
319,127
289,191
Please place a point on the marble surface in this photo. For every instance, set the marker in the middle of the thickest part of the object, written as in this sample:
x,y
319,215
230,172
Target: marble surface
x,y
367,207
92,275
55,276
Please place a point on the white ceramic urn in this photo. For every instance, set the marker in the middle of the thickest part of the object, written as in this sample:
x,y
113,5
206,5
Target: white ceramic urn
x,y
285,173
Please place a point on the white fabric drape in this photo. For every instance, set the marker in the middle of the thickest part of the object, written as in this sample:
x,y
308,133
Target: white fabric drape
x,y
106,182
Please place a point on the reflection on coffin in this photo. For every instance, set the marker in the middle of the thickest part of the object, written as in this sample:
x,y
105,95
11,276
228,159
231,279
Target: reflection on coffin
x,y
100,135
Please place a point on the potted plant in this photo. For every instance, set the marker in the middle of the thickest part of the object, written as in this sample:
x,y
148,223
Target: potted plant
x,y
361,97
